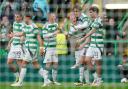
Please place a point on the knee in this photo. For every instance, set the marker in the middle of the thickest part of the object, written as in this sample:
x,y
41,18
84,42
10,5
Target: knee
x,y
48,66
55,65
36,66
23,65
9,62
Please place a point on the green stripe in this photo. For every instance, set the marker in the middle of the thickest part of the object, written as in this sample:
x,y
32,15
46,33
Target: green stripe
x,y
51,26
53,40
16,39
49,45
97,37
16,44
31,47
96,47
100,32
30,37
17,24
30,42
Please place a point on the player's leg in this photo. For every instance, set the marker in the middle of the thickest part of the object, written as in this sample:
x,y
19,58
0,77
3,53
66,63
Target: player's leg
x,y
85,71
55,67
47,81
48,63
13,68
12,57
22,73
83,62
98,67
77,57
27,58
40,70
55,72
98,62
81,72
88,60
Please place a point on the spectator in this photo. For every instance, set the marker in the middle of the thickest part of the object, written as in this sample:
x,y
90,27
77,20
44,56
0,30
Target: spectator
x,y
5,28
61,7
41,9
8,12
13,5
111,31
25,7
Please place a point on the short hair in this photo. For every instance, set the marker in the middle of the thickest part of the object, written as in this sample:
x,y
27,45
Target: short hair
x,y
94,8
18,13
77,7
28,15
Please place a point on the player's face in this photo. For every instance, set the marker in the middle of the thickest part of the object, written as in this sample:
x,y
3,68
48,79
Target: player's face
x,y
52,17
73,18
92,14
26,19
17,18
76,12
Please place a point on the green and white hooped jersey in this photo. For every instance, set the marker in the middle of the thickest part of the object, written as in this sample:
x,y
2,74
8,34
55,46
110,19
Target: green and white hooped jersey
x,y
80,33
17,27
98,36
48,35
31,32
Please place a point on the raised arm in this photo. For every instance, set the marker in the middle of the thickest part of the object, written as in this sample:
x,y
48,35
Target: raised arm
x,y
82,26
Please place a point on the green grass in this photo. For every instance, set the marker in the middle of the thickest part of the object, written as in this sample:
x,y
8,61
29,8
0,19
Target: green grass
x,y
65,86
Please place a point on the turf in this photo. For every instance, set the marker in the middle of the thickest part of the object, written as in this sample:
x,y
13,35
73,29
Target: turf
x,y
65,86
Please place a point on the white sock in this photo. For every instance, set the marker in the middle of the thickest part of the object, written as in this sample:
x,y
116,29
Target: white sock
x,y
81,73
22,74
17,74
54,75
86,75
41,72
44,74
95,75
77,54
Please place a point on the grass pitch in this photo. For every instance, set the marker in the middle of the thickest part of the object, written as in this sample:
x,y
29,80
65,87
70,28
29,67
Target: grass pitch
x,y
65,86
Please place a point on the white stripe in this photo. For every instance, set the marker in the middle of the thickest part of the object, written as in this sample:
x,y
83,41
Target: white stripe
x,y
30,35
30,45
97,40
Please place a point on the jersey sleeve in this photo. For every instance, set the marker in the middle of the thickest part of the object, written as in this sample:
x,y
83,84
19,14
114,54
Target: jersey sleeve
x,y
97,24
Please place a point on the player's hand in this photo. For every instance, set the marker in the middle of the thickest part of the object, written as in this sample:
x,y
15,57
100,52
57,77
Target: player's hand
x,y
42,51
11,35
77,44
8,47
81,46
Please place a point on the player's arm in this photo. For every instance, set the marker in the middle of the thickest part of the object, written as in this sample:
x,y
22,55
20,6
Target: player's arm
x,y
40,44
88,34
51,34
18,34
72,30
9,44
82,26
85,43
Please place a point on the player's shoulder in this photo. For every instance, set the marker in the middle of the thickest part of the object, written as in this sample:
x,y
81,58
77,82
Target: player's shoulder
x,y
84,15
34,25
98,20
